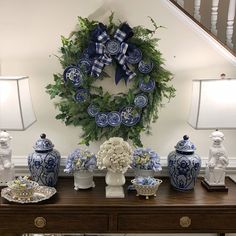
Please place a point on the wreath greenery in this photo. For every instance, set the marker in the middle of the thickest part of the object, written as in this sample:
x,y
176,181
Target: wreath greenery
x,y
74,112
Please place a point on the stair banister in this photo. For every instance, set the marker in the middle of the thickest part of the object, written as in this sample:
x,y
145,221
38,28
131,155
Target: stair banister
x,y
230,23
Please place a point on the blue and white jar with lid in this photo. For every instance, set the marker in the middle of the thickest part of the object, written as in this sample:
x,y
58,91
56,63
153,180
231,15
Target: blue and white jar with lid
x,y
44,162
184,165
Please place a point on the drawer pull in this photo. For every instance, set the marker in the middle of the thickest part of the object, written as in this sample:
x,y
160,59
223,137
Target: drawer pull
x,y
40,222
185,221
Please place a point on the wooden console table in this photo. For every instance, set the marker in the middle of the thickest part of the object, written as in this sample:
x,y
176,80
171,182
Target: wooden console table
x,y
71,211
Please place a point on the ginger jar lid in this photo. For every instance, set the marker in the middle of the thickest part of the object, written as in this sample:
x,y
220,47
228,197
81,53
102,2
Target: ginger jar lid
x,y
43,144
185,145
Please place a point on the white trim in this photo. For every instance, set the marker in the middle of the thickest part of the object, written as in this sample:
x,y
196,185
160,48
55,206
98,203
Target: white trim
x,y
201,32
21,166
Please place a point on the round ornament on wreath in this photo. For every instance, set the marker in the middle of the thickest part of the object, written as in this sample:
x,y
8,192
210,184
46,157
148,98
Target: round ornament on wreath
x,y
132,54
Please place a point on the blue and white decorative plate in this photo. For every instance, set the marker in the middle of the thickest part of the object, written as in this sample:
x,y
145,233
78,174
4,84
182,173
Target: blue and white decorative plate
x,y
93,110
113,47
145,67
130,116
101,119
147,87
85,53
73,74
114,118
134,56
85,64
141,100
82,95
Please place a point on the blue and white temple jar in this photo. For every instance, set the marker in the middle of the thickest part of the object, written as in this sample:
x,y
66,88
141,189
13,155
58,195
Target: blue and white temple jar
x,y
184,165
44,162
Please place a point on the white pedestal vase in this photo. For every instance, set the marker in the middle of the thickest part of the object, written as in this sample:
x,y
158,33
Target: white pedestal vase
x,y
83,179
115,182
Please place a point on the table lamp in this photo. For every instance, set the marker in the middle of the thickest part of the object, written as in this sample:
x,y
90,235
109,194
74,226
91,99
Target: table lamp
x,y
16,113
214,107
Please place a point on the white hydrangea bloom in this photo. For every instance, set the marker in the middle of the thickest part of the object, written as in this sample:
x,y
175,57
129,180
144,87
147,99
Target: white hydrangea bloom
x,y
114,154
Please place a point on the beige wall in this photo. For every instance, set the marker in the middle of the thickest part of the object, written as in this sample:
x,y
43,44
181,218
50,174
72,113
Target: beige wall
x,y
30,36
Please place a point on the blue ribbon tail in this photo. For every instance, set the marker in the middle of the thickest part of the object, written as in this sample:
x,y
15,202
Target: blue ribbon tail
x,y
120,75
91,49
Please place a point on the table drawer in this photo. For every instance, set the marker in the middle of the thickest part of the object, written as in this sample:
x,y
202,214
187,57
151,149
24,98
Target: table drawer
x,y
173,222
54,223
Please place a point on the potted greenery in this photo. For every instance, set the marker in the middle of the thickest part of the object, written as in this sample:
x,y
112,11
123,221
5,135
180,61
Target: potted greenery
x,y
145,162
81,163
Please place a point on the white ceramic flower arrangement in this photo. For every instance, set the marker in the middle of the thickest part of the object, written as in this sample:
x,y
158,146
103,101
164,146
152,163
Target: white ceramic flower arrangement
x,y
114,155
81,163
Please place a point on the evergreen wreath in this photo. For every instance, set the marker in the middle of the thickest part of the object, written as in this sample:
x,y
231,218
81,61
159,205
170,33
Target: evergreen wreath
x,y
132,52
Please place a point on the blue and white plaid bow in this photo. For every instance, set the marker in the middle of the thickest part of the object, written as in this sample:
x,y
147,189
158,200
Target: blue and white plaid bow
x,y
103,57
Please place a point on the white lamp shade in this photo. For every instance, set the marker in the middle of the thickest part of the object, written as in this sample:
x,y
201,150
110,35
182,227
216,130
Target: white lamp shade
x,y
213,104
16,110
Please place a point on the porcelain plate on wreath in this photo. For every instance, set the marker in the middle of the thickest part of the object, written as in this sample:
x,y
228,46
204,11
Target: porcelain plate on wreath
x,y
41,193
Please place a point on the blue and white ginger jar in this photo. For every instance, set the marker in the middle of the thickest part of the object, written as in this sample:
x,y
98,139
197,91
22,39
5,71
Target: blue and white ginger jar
x,y
184,165
44,162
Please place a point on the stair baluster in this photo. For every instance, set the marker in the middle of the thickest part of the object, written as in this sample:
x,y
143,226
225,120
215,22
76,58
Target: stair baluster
x,y
214,16
196,13
230,23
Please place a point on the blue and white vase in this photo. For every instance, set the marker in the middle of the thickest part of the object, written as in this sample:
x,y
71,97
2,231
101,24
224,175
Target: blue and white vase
x,y
184,165
44,162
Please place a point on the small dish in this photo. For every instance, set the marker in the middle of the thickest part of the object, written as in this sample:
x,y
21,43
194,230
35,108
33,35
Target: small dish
x,y
114,118
146,186
41,193
145,67
141,100
101,119
134,56
82,95
73,74
93,110
130,116
147,86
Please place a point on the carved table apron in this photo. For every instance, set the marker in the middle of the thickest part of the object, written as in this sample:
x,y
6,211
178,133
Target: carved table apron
x,y
88,211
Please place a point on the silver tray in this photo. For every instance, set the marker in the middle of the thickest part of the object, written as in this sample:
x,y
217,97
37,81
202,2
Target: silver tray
x,y
41,193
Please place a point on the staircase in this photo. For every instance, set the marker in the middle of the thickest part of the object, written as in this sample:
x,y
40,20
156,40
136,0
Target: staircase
x,y
216,17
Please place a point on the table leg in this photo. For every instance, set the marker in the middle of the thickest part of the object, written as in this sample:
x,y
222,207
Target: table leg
x,y
221,234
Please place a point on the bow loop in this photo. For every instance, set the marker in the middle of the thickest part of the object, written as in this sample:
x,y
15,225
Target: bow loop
x,y
103,37
105,49
97,31
100,48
